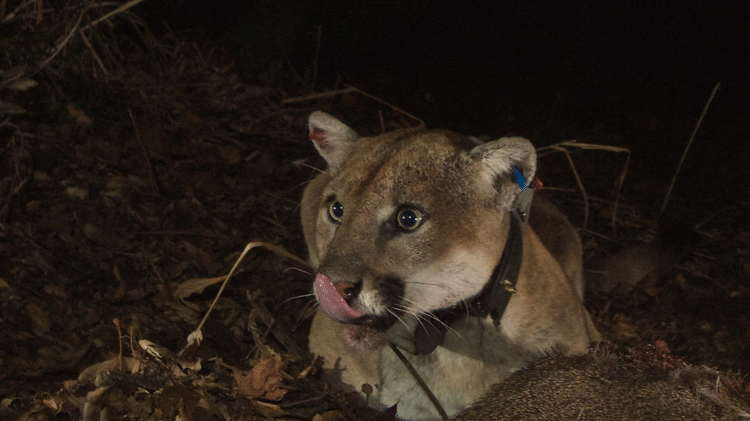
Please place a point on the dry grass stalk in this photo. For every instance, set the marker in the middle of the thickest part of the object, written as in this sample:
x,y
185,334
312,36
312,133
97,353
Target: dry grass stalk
x,y
318,95
278,331
63,41
115,12
72,16
388,104
352,89
98,59
561,147
687,147
196,336
152,173
15,13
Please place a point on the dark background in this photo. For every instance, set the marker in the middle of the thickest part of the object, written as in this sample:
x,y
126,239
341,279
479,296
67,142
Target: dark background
x,y
634,74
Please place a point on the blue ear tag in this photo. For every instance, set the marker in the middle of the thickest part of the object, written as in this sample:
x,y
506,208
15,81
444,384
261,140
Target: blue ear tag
x,y
523,201
518,178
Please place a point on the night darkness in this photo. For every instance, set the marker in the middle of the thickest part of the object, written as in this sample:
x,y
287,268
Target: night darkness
x,y
634,74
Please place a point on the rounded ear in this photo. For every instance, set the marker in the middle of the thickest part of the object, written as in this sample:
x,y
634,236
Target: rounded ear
x,y
499,158
332,138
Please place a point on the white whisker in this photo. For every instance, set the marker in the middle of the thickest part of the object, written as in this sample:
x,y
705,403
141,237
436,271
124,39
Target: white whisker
x,y
297,269
427,314
302,164
394,314
297,297
309,310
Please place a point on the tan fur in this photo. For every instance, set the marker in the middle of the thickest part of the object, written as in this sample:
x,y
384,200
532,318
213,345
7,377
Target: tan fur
x,y
604,387
465,193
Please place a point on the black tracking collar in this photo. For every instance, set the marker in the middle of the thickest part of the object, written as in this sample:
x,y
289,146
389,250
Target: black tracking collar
x,y
492,301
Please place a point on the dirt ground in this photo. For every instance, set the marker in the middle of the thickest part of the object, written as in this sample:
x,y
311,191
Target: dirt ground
x,y
132,182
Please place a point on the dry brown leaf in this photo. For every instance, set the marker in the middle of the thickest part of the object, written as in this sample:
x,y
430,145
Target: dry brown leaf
x,y
11,108
230,154
155,350
650,285
188,121
179,402
328,416
54,403
195,286
53,289
37,412
268,409
77,192
88,375
626,330
80,117
39,319
23,84
264,380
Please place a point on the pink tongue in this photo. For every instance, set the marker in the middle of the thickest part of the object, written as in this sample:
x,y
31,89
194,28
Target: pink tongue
x,y
332,302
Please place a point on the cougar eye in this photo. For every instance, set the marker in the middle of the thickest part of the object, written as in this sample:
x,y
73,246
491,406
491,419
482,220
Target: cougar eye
x,y
335,211
409,219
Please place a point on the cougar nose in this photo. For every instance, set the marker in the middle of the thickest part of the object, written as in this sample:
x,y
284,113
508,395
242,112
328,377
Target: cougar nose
x,y
333,298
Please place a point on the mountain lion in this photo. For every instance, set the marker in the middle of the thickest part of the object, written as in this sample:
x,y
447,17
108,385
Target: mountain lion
x,y
419,241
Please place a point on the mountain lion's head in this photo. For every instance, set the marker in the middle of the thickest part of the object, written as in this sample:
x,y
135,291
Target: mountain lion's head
x,y
407,222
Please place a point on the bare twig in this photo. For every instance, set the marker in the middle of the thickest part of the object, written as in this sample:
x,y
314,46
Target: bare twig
x,y
116,322
395,108
588,146
12,15
623,173
318,95
687,147
39,11
64,40
255,331
315,60
146,156
431,396
15,135
93,52
585,197
545,150
350,89
119,10
156,271
279,333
